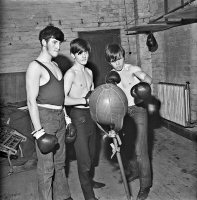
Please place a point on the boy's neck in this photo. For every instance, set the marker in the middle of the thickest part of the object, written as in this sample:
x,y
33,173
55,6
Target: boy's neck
x,y
45,57
79,66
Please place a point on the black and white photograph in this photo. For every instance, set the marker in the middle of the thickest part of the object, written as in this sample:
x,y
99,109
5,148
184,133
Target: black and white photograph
x,y
98,100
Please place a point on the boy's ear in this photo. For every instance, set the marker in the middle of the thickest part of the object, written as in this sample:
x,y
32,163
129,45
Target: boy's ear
x,y
72,55
44,42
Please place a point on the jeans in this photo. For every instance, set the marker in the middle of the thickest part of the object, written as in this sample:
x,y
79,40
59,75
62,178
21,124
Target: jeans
x,y
142,163
52,181
84,145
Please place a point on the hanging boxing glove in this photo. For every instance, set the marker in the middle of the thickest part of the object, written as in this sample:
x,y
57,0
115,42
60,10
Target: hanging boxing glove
x,y
46,142
71,131
151,43
113,77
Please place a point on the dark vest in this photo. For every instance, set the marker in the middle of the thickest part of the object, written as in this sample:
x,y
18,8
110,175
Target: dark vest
x,y
53,91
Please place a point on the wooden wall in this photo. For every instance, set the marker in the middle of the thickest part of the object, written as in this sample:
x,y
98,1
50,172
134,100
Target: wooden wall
x,y
12,87
22,20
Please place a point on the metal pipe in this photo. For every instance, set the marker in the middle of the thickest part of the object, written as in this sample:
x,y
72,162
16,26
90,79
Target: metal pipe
x,y
137,36
179,7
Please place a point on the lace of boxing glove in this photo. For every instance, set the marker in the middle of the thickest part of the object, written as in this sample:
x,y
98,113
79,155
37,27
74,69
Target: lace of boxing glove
x,y
67,118
37,134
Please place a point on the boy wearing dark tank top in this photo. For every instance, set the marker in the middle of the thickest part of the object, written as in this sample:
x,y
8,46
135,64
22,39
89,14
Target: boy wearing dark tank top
x,y
45,100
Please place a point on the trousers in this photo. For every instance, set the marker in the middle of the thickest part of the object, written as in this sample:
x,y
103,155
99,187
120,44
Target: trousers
x,y
141,164
85,148
52,180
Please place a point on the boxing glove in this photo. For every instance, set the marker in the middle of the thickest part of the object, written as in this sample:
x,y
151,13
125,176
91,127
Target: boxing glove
x,y
71,131
87,98
153,106
151,43
46,142
137,101
113,77
141,92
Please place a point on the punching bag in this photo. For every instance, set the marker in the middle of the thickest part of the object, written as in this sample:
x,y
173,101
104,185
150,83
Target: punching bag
x,y
108,106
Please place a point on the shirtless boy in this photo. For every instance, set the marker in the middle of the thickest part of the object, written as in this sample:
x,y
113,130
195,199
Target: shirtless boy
x,y
78,84
127,76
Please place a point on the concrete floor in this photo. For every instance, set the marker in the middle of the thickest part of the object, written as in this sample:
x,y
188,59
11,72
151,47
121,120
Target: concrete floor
x,y
174,174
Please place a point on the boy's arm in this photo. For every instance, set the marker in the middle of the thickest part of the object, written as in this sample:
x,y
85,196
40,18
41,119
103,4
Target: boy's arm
x,y
68,81
142,76
33,75
92,86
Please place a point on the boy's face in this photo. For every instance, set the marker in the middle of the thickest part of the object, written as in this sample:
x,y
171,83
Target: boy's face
x,y
118,64
81,58
53,47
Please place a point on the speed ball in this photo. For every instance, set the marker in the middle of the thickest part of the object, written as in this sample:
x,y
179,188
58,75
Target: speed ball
x,y
108,105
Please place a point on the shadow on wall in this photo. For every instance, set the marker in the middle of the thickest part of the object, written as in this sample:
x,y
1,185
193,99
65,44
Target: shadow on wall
x,y
95,72
63,62
1,17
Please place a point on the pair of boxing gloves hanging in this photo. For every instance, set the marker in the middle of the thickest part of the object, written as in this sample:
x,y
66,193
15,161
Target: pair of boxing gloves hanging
x,y
141,92
47,143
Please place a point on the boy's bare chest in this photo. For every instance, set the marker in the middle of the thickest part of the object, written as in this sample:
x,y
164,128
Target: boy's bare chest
x,y
82,79
128,80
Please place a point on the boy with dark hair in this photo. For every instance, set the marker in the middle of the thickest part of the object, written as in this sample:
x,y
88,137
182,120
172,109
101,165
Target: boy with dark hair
x,y
51,32
45,100
78,84
127,76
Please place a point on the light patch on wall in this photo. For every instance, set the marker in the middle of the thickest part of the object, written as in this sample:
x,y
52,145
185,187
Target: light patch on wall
x,y
194,31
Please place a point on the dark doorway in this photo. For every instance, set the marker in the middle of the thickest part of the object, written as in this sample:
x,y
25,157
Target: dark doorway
x,y
98,41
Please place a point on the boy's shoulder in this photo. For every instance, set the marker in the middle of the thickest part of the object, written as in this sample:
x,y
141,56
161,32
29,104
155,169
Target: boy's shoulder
x,y
34,66
88,70
71,70
132,68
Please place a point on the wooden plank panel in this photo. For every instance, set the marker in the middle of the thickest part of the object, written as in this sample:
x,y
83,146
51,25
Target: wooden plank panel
x,y
12,87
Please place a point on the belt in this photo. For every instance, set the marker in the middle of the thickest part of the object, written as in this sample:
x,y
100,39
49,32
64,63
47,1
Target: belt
x,y
55,107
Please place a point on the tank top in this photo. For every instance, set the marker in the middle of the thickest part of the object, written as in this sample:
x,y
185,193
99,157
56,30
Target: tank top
x,y
53,91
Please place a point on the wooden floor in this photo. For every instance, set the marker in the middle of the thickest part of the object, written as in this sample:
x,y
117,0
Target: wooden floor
x,y
174,174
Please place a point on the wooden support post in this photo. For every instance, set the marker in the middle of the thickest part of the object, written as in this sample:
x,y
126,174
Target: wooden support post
x,y
129,196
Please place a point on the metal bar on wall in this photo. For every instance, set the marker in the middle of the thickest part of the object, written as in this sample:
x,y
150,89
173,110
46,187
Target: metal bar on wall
x,y
173,10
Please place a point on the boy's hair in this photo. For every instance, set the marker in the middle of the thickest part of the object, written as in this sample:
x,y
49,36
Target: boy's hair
x,y
79,46
114,52
51,32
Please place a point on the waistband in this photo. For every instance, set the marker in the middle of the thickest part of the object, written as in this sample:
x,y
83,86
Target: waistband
x,y
79,108
82,107
52,107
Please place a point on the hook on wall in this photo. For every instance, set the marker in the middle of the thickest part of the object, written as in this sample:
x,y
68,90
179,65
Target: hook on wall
x,y
100,21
